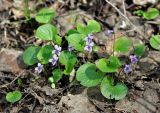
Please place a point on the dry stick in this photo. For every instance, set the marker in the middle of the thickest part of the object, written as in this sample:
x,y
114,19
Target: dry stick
x,y
5,85
135,27
154,22
124,8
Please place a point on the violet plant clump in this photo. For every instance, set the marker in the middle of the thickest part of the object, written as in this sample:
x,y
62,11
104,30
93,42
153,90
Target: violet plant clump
x,y
65,60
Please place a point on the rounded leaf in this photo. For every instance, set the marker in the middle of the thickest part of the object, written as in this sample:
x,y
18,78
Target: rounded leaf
x,y
81,28
13,96
139,49
117,92
152,13
45,15
46,32
30,55
57,74
77,41
68,59
155,42
122,44
109,65
93,26
45,53
88,76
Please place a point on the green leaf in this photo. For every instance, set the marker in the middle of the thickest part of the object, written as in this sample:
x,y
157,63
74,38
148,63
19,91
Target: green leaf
x,y
72,31
88,76
51,79
155,42
117,92
152,13
93,26
81,28
46,32
58,39
77,41
68,59
57,74
30,55
45,53
13,96
45,15
122,44
139,12
109,65
139,49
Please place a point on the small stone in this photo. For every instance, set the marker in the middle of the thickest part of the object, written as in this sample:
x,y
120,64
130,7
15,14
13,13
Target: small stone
x,y
77,104
140,2
49,109
147,65
155,55
143,2
139,84
11,61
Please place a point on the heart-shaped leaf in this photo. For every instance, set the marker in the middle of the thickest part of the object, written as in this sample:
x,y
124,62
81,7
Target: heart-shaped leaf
x,y
45,15
109,65
46,32
122,44
30,55
81,28
13,96
77,41
68,59
139,49
72,31
45,53
88,75
155,42
117,92
152,13
91,27
57,74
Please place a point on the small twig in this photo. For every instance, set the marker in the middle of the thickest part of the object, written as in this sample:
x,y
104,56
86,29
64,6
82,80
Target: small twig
x,y
5,85
154,22
135,27
124,8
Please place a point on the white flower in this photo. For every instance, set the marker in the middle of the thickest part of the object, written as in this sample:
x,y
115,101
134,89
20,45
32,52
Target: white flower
x,y
89,46
57,50
39,68
54,60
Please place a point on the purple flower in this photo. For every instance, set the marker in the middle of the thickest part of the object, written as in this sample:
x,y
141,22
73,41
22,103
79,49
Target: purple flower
x,y
89,38
127,69
57,50
133,58
39,68
70,48
54,59
89,46
109,33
